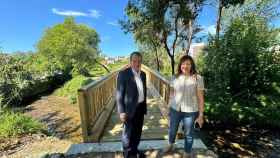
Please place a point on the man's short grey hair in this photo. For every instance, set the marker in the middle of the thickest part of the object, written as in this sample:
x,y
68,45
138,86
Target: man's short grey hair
x,y
135,53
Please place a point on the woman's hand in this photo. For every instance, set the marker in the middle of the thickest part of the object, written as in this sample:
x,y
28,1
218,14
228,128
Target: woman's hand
x,y
200,120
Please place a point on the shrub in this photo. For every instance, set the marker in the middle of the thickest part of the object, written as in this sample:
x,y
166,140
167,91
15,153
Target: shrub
x,y
239,69
16,124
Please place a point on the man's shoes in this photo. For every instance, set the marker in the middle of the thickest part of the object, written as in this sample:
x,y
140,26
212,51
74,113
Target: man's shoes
x,y
129,155
169,148
140,154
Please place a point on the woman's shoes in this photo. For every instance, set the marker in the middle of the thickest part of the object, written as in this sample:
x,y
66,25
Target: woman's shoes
x,y
169,148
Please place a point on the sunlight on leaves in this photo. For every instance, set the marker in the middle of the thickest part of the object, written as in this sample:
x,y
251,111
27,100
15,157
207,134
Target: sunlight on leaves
x,y
163,122
117,129
236,145
145,127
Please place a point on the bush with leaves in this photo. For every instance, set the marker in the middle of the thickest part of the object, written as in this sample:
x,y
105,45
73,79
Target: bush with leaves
x,y
20,80
17,124
71,46
13,78
241,66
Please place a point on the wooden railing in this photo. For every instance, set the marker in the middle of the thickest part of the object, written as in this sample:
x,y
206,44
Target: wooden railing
x,y
161,84
97,100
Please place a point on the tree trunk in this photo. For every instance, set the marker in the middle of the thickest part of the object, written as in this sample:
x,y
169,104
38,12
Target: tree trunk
x,y
102,65
157,58
218,24
173,65
174,46
190,35
158,67
171,57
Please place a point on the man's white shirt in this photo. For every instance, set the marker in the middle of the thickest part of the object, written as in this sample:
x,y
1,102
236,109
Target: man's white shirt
x,y
139,84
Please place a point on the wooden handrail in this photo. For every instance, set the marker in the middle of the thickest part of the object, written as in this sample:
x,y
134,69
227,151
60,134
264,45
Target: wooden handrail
x,y
161,84
95,97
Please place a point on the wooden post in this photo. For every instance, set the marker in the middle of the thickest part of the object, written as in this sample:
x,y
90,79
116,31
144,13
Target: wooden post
x,y
83,104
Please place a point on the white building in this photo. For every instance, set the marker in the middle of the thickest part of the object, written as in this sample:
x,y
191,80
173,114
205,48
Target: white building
x,y
196,49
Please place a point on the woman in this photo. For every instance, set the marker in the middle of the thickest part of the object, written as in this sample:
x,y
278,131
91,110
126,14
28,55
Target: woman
x,y
186,103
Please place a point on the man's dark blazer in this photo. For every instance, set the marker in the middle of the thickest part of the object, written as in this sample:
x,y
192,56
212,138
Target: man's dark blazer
x,y
127,93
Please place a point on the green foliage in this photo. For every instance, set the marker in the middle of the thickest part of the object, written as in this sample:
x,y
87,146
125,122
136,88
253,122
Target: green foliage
x,y
162,24
41,65
118,64
20,79
65,49
267,9
243,63
200,63
263,112
70,88
241,70
16,124
227,3
13,78
69,45
149,59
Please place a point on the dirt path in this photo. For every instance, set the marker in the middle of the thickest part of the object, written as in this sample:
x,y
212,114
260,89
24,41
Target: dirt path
x,y
61,117
33,146
62,120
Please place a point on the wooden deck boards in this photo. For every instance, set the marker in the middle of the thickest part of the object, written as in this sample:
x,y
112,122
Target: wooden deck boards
x,y
155,125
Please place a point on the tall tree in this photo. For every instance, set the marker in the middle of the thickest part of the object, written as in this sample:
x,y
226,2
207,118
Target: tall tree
x,y
70,45
163,19
190,25
146,38
267,9
221,5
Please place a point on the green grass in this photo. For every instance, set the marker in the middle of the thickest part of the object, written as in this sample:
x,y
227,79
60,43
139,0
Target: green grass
x,y
117,65
16,124
69,89
98,71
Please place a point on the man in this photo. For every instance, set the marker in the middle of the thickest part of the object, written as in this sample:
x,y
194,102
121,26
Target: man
x,y
132,106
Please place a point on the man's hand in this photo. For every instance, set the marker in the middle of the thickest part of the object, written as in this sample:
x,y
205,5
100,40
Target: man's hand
x,y
123,117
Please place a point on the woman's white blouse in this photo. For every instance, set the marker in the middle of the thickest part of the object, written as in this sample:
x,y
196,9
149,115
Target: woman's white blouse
x,y
185,92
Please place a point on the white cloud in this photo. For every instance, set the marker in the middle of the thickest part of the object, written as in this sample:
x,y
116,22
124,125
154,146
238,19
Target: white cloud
x,y
113,23
92,13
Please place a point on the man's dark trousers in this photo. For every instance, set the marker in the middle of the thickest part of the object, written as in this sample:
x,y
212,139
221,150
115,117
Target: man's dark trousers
x,y
132,132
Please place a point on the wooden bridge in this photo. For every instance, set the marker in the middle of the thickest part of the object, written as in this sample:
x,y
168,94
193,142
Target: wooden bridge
x,y
101,126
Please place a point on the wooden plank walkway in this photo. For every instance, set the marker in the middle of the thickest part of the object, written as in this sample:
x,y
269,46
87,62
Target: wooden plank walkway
x,y
153,140
155,125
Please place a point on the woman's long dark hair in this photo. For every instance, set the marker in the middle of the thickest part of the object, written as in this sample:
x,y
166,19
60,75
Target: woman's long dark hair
x,y
183,59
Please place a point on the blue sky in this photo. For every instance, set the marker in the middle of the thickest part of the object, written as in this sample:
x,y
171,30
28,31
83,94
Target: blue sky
x,y
23,22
